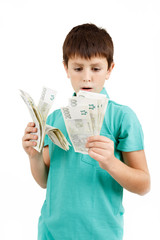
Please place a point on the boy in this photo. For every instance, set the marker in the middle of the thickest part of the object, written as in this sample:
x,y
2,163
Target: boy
x,y
84,192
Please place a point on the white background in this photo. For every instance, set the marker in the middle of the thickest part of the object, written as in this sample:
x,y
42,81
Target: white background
x,y
31,37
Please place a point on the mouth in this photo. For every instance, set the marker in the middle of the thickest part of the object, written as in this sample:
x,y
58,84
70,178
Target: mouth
x,y
86,89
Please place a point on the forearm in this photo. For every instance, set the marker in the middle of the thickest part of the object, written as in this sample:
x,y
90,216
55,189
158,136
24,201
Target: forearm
x,y
39,170
134,180
132,174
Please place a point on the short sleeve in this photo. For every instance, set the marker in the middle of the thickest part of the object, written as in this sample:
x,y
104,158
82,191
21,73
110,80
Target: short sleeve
x,y
50,121
46,139
130,133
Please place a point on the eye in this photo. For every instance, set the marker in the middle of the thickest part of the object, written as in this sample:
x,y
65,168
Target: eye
x,y
96,69
78,69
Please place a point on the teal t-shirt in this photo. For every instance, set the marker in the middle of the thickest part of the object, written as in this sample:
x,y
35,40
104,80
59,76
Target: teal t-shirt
x,y
83,202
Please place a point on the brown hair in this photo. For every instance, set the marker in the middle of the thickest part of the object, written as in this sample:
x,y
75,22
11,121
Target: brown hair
x,y
86,41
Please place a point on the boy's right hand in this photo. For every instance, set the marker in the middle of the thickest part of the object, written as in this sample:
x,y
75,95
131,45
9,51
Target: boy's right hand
x,y
30,134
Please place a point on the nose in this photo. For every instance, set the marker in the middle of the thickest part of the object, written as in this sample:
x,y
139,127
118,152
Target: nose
x,y
87,75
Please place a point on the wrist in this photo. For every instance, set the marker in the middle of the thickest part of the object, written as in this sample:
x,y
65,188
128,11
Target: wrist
x,y
111,165
36,157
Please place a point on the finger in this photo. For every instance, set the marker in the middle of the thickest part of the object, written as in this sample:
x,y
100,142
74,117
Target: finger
x,y
30,130
99,151
28,137
27,144
95,155
31,124
98,138
102,145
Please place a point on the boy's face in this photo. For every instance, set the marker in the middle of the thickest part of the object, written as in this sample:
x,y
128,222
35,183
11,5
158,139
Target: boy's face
x,y
88,74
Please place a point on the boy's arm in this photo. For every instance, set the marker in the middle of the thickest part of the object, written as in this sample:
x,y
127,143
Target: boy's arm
x,y
39,162
138,170
40,166
133,174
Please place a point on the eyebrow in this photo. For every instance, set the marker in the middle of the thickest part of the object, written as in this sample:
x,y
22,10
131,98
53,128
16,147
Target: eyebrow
x,y
81,64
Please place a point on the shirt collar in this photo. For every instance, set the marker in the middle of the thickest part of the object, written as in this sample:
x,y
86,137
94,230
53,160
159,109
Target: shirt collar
x,y
103,91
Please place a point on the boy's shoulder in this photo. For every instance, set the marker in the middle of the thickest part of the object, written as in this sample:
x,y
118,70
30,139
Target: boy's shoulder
x,y
120,117
119,109
114,107
123,124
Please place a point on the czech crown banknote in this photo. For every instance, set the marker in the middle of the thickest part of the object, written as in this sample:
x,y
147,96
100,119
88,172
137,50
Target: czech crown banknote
x,y
84,117
39,116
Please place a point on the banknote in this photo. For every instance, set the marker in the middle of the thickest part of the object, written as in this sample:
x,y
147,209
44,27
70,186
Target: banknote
x,y
39,115
46,101
36,117
102,103
81,126
57,137
92,107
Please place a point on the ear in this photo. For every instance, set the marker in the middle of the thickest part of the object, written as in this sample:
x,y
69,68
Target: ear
x,y
66,69
109,71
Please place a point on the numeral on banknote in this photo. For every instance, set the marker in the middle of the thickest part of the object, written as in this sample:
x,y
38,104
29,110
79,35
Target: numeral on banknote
x,y
73,102
66,113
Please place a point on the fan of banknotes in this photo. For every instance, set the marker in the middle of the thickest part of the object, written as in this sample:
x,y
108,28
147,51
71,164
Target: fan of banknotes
x,y
83,117
39,115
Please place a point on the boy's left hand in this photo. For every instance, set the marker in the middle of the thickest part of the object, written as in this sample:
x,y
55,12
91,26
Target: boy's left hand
x,y
101,149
